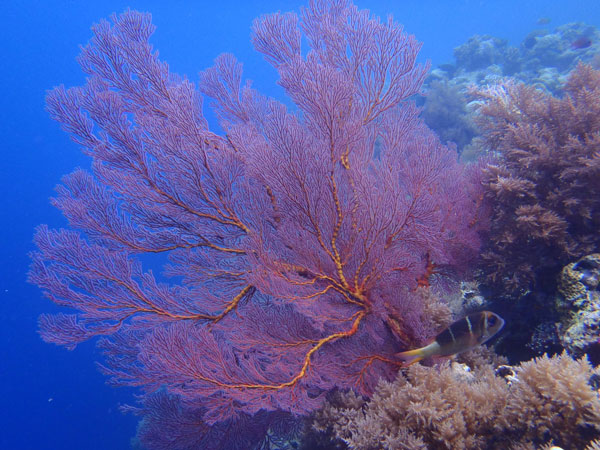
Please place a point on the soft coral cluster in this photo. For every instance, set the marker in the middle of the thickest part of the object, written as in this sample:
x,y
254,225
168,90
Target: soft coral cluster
x,y
446,407
542,185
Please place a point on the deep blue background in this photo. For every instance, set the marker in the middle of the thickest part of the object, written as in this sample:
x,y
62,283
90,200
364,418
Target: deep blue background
x,y
55,399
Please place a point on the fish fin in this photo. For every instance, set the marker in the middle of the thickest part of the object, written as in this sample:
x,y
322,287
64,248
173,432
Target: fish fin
x,y
411,357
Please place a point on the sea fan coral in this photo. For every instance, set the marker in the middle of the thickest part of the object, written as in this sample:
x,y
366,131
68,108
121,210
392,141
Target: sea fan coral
x,y
544,215
294,241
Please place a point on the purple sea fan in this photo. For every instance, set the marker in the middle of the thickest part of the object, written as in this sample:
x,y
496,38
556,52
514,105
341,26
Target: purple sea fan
x,y
294,240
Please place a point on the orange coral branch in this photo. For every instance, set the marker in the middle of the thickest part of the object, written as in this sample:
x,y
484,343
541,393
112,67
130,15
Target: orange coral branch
x,y
303,370
423,280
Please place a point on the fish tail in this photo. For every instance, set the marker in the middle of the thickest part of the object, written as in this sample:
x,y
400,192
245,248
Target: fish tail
x,y
412,356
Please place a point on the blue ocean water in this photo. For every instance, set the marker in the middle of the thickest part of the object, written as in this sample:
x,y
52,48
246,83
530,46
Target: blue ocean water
x,y
56,399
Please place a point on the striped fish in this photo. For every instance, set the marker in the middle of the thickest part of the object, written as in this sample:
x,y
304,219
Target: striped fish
x,y
462,335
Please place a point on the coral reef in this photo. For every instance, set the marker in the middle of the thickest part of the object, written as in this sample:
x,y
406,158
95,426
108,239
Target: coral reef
x,y
522,262
548,162
577,278
454,406
480,52
580,303
469,299
548,55
307,246
580,333
445,109
544,59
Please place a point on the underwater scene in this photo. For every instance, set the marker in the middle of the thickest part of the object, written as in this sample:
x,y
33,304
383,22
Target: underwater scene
x,y
301,225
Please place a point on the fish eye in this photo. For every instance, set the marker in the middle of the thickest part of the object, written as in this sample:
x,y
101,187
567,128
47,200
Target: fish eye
x,y
492,320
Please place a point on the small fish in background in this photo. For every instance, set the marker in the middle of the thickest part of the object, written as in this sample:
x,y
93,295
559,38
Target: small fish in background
x,y
462,335
543,21
582,42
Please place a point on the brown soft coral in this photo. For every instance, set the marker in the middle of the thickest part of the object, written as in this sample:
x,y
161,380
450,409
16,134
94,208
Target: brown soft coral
x,y
449,407
541,184
554,399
